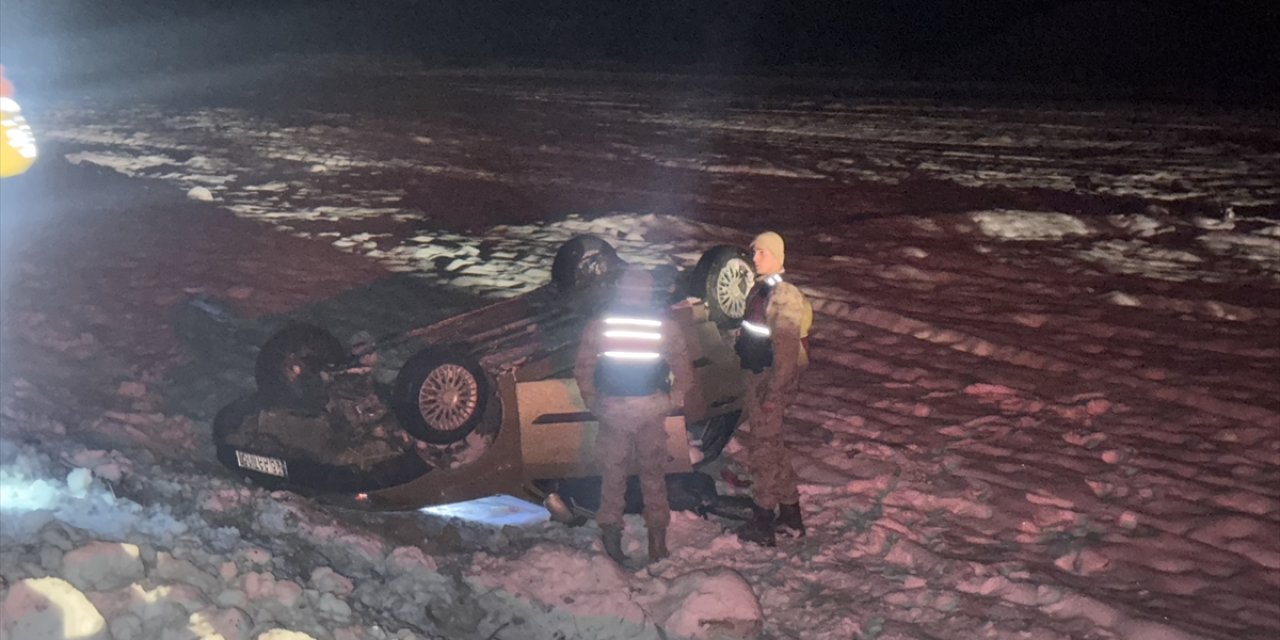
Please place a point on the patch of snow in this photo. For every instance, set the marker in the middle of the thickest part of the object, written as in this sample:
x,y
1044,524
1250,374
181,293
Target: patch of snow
x,y
129,165
1029,225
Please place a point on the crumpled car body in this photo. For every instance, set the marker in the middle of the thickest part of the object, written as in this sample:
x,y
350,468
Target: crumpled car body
x,y
481,403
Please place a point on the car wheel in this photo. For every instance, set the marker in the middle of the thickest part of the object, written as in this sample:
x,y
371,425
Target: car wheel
x,y
289,364
583,262
440,395
722,278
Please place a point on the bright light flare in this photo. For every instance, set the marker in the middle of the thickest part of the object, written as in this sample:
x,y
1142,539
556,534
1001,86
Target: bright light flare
x,y
17,142
499,511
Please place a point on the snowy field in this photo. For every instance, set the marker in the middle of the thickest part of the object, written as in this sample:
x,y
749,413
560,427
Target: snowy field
x,y
1044,400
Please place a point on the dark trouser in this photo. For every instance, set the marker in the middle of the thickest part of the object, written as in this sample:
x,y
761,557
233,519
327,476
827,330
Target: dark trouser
x,y
773,479
632,438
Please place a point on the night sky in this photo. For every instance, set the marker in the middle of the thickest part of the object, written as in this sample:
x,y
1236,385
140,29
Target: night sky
x,y
1220,48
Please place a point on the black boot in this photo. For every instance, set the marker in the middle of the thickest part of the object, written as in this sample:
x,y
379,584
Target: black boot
x,y
789,521
760,528
611,535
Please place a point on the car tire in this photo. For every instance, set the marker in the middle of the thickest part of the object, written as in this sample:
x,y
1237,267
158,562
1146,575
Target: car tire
x,y
722,278
289,364
440,394
584,262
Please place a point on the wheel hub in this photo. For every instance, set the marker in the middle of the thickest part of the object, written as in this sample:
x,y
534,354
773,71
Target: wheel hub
x,y
448,397
733,283
593,264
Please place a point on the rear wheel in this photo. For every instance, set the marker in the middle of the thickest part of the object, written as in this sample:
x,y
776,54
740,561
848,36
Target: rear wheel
x,y
440,395
722,278
584,262
290,363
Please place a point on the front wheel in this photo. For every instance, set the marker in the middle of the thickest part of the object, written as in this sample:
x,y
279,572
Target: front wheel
x,y
440,395
722,278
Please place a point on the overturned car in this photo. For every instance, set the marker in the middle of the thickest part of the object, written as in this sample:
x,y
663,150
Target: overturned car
x,y
481,403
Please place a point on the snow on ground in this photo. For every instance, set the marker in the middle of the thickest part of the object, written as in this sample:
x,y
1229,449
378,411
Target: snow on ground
x,y
1020,422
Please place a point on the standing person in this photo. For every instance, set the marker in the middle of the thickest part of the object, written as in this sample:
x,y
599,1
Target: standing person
x,y
773,345
632,370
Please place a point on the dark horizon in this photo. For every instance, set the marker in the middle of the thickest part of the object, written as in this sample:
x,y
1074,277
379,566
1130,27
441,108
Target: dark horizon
x,y
1197,49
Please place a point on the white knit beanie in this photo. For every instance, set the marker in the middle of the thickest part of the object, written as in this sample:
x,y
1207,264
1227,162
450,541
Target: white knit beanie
x,y
771,242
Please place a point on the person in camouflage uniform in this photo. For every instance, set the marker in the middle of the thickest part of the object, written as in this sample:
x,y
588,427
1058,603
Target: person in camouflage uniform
x,y
632,371
773,345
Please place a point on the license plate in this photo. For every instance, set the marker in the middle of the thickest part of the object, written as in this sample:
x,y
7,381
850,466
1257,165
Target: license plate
x,y
262,464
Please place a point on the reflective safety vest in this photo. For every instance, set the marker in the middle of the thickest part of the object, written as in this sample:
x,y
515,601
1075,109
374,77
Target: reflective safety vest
x,y
755,339
631,361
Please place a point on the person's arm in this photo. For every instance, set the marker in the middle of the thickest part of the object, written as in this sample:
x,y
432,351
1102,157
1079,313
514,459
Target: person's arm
x,y
786,308
584,367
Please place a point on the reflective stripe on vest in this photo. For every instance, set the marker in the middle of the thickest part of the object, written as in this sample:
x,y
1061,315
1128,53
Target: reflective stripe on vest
x,y
632,355
633,322
631,343
755,342
631,361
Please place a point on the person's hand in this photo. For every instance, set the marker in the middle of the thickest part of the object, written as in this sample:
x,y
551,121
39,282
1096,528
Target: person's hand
x,y
770,406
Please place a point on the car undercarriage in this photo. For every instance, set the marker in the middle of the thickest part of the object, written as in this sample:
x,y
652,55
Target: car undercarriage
x,y
482,402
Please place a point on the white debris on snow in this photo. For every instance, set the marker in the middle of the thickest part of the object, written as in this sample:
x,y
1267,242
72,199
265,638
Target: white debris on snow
x,y
1029,225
